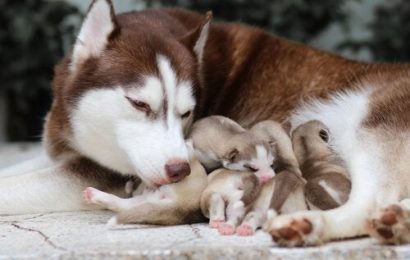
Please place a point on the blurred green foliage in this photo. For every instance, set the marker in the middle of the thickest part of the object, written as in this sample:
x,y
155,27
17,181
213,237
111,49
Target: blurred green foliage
x,y
299,20
34,36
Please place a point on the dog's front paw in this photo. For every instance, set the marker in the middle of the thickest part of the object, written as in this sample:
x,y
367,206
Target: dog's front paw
x,y
299,229
390,225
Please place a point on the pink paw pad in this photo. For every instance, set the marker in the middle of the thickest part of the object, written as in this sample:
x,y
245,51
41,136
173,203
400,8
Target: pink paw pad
x,y
88,194
216,223
226,229
245,230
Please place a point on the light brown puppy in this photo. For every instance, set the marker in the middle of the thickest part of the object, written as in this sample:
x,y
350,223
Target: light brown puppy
x,y
227,198
244,199
328,183
172,204
221,142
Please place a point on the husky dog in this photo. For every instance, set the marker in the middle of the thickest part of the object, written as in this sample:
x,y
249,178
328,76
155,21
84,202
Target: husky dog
x,y
221,142
328,185
134,83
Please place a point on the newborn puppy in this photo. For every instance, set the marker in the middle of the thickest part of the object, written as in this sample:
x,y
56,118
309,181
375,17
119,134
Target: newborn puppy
x,y
328,184
234,197
226,198
288,185
172,204
220,142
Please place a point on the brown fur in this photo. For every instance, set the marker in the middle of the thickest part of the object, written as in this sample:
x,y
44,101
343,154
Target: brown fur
x,y
319,164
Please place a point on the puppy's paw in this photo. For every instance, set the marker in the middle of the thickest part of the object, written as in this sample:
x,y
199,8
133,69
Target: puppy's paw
x,y
245,230
88,195
215,223
299,229
390,225
226,229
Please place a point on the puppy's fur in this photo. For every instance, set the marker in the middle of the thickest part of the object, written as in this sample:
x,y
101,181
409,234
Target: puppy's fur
x,y
328,185
172,204
227,202
227,198
221,142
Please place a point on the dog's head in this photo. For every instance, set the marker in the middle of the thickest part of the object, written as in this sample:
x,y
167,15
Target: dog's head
x,y
131,86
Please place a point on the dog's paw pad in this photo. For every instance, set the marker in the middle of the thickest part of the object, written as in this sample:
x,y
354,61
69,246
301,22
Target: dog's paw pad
x,y
297,230
390,225
88,194
245,230
216,223
226,229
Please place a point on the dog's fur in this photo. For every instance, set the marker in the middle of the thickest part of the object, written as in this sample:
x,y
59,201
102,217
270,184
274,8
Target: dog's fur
x,y
221,142
328,184
109,119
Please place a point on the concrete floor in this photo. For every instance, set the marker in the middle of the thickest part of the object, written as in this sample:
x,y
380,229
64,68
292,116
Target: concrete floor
x,y
84,235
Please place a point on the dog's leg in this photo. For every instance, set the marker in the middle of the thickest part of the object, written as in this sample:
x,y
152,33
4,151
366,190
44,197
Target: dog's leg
x,y
391,225
315,227
216,210
56,188
235,211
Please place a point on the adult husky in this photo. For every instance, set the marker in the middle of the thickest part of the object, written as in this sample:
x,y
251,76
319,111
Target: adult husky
x,y
135,82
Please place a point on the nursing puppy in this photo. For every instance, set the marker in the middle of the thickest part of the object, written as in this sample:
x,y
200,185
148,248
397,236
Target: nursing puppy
x,y
230,195
221,142
328,185
172,204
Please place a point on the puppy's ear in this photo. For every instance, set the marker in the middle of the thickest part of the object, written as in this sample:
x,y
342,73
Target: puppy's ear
x,y
196,39
230,156
98,26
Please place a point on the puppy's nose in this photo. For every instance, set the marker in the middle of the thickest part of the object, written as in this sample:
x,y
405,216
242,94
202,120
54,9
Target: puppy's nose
x,y
176,171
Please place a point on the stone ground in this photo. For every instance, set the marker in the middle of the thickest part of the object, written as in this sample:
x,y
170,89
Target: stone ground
x,y
84,235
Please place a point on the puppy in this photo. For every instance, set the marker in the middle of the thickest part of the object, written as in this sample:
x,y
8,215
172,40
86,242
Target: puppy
x,y
245,199
289,184
227,197
328,183
171,204
221,142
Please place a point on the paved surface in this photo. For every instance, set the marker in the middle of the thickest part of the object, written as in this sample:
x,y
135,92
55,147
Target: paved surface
x,y
85,235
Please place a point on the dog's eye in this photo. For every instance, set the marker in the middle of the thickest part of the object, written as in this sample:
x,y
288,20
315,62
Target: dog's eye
x,y
324,135
141,106
253,169
186,114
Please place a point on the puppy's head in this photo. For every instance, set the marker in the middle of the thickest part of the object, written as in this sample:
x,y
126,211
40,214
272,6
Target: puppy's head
x,y
247,153
130,89
310,140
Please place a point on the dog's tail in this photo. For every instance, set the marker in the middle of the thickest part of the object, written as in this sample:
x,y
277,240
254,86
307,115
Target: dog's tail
x,y
158,213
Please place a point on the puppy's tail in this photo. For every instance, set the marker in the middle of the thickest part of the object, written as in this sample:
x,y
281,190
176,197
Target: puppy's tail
x,y
158,213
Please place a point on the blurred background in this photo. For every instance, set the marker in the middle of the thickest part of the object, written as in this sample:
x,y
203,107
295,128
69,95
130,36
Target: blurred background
x,y
35,34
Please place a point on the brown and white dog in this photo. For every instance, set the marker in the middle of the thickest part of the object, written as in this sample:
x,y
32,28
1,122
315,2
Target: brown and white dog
x,y
134,82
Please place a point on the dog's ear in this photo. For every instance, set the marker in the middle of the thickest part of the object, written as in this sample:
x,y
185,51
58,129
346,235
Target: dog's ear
x,y
98,26
196,39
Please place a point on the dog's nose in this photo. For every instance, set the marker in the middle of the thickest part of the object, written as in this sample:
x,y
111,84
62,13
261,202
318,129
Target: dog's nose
x,y
176,171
